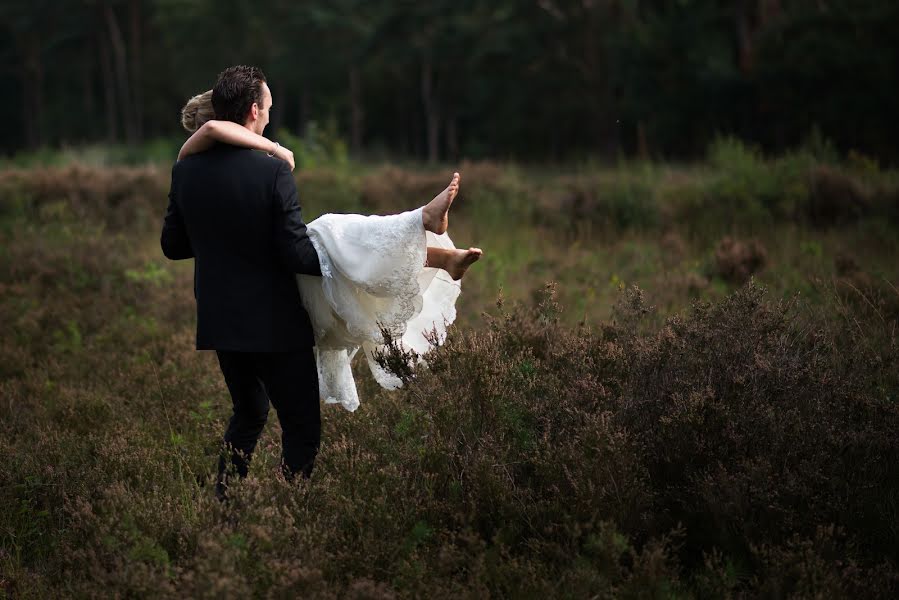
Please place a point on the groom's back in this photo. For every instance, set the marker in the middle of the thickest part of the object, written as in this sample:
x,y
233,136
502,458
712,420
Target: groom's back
x,y
247,298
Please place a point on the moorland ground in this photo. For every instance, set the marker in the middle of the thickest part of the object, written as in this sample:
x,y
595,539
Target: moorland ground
x,y
664,381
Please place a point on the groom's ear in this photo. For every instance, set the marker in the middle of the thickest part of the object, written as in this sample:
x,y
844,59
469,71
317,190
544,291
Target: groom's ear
x,y
254,111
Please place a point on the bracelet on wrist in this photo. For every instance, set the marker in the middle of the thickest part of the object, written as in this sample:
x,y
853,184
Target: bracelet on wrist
x,y
275,149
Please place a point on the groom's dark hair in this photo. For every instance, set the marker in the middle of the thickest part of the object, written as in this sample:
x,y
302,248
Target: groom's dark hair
x,y
235,91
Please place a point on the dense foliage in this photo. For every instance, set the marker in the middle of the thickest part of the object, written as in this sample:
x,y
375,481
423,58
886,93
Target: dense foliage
x,y
438,79
732,442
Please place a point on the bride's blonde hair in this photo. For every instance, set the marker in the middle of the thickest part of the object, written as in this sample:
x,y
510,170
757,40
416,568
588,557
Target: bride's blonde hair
x,y
197,111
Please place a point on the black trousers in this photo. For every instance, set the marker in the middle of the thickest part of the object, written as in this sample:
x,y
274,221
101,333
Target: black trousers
x,y
290,381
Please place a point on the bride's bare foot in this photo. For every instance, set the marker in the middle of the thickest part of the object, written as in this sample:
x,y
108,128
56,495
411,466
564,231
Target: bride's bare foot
x,y
434,216
459,261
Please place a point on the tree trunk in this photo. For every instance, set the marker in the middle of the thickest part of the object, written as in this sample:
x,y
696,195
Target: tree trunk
x,y
432,115
112,109
452,137
744,37
88,94
401,121
136,77
120,70
769,9
357,114
642,143
303,111
279,103
32,90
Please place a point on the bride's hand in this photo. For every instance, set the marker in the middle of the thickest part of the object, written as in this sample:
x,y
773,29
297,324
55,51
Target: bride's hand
x,y
285,155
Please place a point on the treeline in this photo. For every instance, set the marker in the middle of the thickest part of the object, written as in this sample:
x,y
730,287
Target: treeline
x,y
531,79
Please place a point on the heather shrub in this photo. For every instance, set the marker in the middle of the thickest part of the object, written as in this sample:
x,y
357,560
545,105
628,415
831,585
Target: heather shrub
x,y
743,187
821,565
741,425
875,297
758,424
317,146
327,191
485,186
737,260
117,198
393,186
834,197
808,186
621,204
888,202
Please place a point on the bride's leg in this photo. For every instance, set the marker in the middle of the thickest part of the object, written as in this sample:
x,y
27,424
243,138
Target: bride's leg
x,y
434,216
453,261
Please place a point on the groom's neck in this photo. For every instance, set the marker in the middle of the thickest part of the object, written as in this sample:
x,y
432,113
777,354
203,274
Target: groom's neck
x,y
250,125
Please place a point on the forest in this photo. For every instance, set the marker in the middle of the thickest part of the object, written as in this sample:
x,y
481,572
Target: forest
x,y
522,79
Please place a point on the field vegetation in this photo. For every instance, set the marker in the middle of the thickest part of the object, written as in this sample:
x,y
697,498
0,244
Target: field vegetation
x,y
666,381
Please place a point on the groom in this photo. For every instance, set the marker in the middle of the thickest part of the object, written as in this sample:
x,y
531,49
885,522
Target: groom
x,y
235,212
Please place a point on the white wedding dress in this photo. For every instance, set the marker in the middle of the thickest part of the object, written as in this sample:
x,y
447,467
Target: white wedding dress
x,y
373,275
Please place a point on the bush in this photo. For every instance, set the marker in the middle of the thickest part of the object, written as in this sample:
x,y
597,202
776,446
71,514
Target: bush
x,y
597,203
747,189
834,197
120,198
742,422
317,147
736,261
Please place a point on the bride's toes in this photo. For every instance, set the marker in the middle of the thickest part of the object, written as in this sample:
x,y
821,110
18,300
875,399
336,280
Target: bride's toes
x,y
472,256
434,215
462,260
454,184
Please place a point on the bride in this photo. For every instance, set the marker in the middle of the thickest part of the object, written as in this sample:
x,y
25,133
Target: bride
x,y
397,272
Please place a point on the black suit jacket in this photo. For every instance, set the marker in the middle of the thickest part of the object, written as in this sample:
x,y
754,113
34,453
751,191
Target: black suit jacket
x,y
235,212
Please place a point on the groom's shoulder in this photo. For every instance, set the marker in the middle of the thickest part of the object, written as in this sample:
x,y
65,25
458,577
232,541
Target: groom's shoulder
x,y
231,159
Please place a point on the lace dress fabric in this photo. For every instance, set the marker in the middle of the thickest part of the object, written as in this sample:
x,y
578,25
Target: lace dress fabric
x,y
373,276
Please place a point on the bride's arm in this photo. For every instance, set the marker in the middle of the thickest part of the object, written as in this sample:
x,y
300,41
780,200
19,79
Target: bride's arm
x,y
231,133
